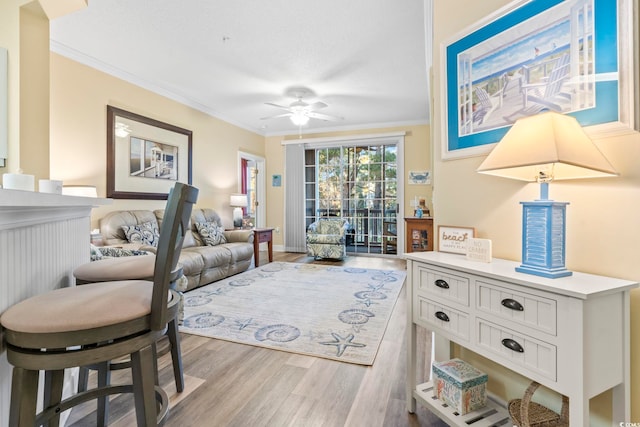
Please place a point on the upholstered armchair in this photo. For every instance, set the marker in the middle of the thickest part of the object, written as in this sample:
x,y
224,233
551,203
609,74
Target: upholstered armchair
x,y
326,238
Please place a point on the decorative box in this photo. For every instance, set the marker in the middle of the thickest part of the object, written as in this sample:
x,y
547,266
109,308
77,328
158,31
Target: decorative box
x,y
459,385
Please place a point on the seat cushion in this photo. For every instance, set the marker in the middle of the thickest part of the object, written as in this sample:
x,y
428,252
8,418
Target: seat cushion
x,y
205,257
112,269
80,308
331,226
327,239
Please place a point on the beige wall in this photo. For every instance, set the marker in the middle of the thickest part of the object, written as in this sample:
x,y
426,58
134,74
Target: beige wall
x,y
602,231
602,216
24,32
79,99
417,156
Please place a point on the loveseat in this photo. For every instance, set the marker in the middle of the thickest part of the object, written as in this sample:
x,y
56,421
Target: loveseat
x,y
219,254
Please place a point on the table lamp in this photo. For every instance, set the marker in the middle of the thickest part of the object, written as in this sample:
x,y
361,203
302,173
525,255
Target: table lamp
x,y
542,148
238,201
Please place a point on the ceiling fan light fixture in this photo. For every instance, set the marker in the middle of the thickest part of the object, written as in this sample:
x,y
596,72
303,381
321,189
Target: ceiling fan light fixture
x,y
299,118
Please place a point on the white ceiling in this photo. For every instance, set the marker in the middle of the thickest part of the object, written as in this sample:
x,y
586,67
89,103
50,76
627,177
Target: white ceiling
x,y
366,59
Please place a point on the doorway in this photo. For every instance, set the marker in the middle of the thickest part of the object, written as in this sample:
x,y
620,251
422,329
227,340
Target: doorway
x,y
358,183
252,182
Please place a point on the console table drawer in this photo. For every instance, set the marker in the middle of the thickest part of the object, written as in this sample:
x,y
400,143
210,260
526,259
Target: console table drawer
x,y
442,284
519,349
569,334
527,309
447,319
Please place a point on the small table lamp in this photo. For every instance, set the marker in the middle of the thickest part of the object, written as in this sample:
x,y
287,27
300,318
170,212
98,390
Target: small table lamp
x,y
238,201
542,148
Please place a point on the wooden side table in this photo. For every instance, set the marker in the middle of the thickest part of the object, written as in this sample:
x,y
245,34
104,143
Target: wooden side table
x,y
419,234
261,235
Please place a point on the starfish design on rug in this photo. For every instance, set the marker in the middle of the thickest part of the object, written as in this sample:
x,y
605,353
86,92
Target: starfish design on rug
x,y
217,291
243,323
366,302
378,287
342,343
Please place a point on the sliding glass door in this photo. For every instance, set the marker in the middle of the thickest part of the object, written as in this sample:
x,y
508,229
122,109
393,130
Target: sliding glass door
x,y
360,183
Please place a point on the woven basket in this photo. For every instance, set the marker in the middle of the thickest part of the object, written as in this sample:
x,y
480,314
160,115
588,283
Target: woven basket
x,y
526,413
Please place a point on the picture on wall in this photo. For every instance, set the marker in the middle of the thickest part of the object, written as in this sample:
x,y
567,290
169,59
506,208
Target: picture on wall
x,y
149,159
145,157
419,177
542,55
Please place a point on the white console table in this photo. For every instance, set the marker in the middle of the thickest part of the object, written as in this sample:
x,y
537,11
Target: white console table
x,y
569,334
43,237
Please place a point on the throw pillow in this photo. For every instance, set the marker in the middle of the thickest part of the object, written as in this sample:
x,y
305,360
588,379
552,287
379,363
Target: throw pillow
x,y
211,233
109,252
95,253
146,233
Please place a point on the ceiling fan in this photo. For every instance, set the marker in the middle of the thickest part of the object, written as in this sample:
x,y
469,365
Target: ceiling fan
x,y
300,111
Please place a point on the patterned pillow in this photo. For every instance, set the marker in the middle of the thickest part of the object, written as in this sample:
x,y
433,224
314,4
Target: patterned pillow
x,y
146,233
108,252
211,233
95,253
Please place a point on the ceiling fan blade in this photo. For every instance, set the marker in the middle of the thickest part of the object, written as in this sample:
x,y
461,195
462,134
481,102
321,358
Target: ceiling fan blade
x,y
277,106
317,106
325,117
276,116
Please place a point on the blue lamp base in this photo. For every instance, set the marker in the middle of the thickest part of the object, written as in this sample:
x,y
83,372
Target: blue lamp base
x,y
543,237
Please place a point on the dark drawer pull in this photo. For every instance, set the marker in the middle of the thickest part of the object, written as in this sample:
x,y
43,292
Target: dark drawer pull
x,y
512,345
512,304
442,284
442,316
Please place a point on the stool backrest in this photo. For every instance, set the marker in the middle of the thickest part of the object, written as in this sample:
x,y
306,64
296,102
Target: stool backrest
x,y
174,227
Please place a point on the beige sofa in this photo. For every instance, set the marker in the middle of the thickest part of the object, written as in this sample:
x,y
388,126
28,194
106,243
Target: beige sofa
x,y
202,264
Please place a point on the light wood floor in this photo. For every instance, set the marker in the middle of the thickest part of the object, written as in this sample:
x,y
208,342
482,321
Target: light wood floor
x,y
230,384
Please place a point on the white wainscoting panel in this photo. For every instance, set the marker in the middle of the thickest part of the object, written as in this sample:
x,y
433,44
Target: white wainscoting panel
x,y
43,237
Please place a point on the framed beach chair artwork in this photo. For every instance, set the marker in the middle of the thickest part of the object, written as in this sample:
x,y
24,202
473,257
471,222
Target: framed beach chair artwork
x,y
568,56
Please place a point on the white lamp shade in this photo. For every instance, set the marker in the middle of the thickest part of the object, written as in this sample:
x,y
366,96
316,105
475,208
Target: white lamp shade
x,y
238,200
549,141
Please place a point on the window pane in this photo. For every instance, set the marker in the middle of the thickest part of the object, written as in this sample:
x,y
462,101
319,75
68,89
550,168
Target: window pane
x,y
322,157
390,170
310,157
333,156
358,183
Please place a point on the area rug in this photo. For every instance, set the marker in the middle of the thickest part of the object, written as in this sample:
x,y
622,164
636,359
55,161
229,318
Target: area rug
x,y
338,313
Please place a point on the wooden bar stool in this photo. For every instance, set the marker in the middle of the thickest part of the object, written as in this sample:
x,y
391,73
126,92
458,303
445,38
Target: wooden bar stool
x,y
140,267
96,323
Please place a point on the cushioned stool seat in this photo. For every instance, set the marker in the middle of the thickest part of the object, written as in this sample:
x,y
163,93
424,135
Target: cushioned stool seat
x,y
94,324
126,268
111,269
81,308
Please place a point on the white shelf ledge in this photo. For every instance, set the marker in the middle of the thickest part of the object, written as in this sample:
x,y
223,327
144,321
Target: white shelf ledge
x,y
28,208
494,414
19,198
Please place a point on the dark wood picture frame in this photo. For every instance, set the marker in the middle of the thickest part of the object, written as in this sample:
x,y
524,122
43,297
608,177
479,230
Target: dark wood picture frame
x,y
121,184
